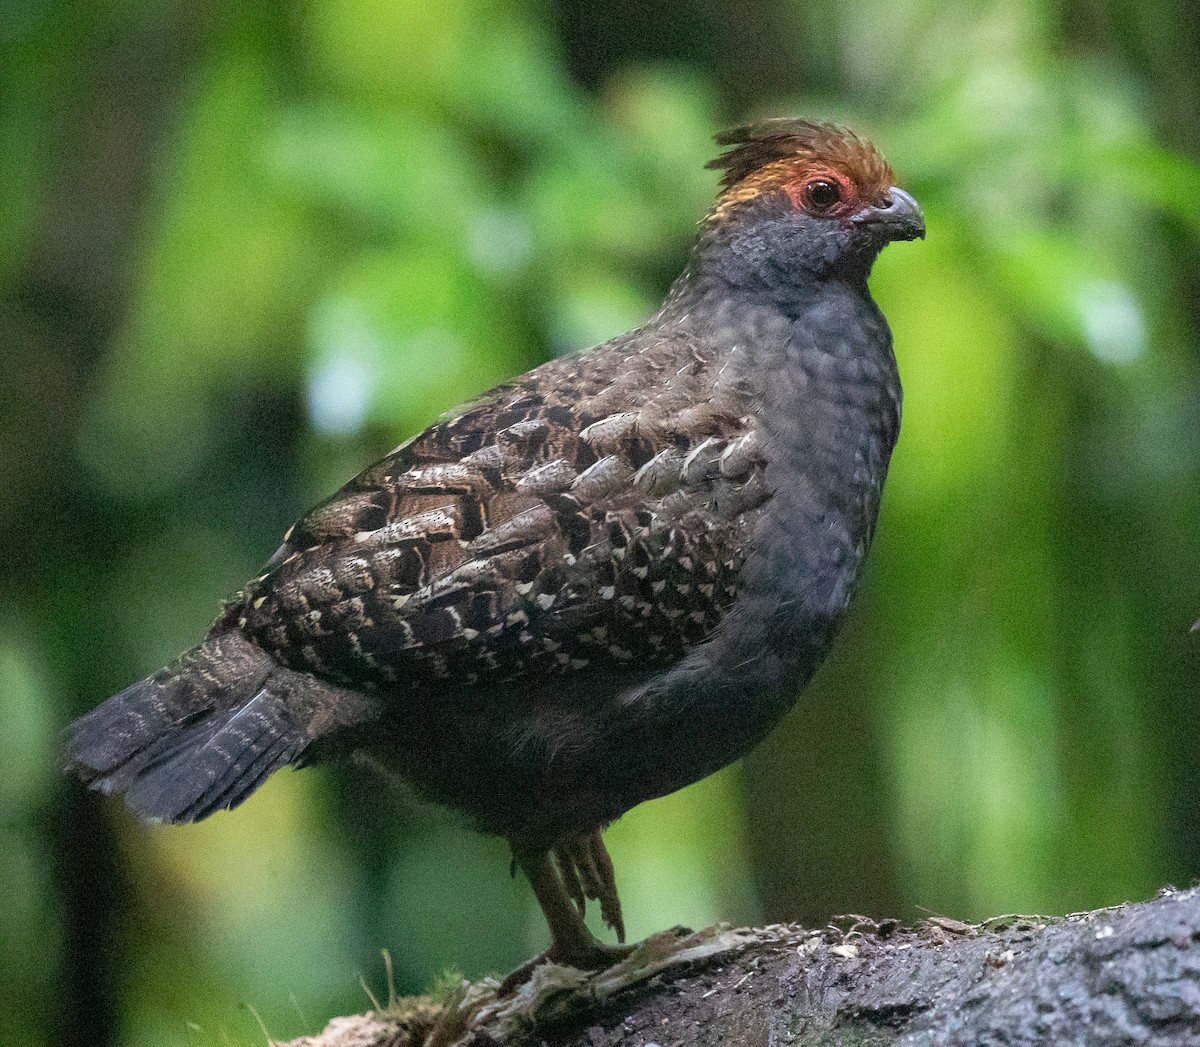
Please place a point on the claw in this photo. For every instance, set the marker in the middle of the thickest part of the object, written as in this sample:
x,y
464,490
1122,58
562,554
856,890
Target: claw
x,y
610,903
587,873
570,878
585,862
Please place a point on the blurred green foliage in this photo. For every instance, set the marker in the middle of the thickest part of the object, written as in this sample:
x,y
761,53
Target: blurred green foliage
x,y
245,249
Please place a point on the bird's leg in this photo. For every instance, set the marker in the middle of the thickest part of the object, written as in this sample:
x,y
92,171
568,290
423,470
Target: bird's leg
x,y
571,943
587,870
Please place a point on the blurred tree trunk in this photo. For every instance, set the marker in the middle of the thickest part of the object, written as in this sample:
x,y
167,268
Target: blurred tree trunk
x,y
108,97
1129,974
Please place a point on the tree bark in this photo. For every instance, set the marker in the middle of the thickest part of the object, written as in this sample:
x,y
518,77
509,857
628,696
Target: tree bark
x,y
1125,975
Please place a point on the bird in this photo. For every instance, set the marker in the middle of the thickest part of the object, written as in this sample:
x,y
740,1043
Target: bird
x,y
595,584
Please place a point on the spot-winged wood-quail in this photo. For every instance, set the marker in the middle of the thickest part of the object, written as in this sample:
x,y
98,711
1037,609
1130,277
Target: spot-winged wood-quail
x,y
596,584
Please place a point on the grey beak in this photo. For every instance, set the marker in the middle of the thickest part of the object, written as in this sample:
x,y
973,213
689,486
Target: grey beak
x,y
899,217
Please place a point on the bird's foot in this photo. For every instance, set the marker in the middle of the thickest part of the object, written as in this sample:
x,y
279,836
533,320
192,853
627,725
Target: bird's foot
x,y
584,870
587,872
583,956
588,956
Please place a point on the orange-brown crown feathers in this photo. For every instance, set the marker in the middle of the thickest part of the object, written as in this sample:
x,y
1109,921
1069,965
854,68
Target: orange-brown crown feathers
x,y
790,154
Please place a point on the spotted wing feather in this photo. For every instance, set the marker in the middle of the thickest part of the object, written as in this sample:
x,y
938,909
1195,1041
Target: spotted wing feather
x,y
569,522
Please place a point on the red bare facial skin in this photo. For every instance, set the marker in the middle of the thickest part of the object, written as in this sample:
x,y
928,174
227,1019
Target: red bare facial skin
x,y
803,191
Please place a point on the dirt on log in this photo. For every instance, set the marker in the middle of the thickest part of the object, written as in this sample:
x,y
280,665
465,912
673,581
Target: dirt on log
x,y
1125,975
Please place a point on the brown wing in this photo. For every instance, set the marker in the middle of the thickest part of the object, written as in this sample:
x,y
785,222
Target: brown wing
x,y
566,523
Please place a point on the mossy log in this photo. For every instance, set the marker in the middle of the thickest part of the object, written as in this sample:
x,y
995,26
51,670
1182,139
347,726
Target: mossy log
x,y
1124,975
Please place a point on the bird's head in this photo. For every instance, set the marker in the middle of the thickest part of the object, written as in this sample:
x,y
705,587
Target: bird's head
x,y
801,196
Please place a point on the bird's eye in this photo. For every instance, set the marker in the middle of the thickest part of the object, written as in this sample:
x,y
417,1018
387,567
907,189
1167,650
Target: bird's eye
x,y
821,194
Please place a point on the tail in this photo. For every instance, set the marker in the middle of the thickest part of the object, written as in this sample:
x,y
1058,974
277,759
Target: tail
x,y
203,733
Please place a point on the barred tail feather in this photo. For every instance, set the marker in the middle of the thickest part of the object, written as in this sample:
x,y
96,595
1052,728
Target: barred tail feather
x,y
224,759
204,732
